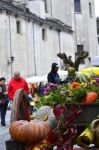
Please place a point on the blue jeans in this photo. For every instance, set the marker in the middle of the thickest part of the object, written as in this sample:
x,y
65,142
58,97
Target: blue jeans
x,y
3,109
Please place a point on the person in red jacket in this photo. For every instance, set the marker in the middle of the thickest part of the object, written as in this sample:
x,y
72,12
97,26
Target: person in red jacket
x,y
16,83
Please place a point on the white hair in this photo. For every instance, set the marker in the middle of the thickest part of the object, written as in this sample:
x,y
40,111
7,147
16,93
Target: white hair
x,y
16,72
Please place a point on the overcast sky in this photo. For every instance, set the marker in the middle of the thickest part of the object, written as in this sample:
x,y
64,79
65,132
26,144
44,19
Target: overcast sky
x,y
97,7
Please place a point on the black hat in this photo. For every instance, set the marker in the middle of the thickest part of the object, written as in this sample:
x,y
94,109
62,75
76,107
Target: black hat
x,y
55,65
2,78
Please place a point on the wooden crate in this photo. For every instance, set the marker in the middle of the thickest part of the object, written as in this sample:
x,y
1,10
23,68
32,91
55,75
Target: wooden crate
x,y
14,145
86,116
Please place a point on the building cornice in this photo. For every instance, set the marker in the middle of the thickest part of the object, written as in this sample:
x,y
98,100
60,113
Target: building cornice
x,y
24,12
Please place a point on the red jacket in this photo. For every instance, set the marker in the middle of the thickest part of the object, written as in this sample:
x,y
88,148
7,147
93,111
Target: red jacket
x,y
15,85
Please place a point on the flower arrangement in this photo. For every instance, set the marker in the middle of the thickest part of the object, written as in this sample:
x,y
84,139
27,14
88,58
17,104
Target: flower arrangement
x,y
63,135
74,93
58,96
63,132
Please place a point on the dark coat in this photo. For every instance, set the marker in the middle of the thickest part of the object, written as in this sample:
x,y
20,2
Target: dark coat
x,y
53,76
2,95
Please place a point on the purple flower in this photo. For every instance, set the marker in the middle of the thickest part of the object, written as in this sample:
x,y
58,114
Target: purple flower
x,y
52,85
46,90
63,92
97,79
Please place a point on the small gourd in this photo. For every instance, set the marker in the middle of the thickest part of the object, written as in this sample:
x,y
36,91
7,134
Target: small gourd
x,y
91,97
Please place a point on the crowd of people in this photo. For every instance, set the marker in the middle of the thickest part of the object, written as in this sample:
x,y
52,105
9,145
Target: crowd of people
x,y
17,82
7,93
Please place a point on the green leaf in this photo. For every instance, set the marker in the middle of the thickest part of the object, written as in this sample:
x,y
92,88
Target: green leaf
x,y
39,105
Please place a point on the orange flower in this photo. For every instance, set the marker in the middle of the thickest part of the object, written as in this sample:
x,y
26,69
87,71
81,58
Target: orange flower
x,y
75,85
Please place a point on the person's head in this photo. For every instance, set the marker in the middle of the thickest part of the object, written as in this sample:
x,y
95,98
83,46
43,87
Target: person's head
x,y
40,84
66,67
55,67
71,71
2,81
17,75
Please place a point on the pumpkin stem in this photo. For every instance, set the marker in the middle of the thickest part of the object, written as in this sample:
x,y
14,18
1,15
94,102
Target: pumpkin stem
x,y
45,117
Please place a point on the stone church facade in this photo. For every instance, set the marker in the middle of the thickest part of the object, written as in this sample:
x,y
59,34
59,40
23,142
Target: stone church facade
x,y
32,32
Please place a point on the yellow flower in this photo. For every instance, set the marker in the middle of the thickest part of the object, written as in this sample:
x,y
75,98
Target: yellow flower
x,y
85,84
71,94
82,83
93,81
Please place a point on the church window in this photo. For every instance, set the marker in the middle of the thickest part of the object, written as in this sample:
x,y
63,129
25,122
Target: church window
x,y
46,6
77,7
98,30
79,51
44,34
90,10
18,25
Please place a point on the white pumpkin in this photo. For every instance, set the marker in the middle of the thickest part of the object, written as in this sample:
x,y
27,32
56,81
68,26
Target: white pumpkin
x,y
45,113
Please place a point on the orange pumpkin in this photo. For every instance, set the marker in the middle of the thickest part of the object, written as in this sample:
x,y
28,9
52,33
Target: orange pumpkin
x,y
29,132
91,97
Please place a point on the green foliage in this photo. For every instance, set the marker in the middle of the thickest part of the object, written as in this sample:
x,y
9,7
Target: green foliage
x,y
53,98
72,92
62,95
78,94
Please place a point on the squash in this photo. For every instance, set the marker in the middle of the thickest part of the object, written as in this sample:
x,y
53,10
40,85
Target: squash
x,y
95,130
35,130
29,132
45,113
85,138
91,97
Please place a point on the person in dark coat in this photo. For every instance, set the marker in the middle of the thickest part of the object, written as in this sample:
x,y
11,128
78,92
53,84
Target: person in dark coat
x,y
53,76
3,100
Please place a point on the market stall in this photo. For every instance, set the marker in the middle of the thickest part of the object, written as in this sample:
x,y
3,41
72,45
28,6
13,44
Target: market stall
x,y
61,113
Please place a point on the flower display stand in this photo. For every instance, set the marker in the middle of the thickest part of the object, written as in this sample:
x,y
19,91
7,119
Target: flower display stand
x,y
84,115
88,113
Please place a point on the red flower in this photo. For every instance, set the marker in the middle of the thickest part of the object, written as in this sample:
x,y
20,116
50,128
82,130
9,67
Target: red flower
x,y
59,110
75,85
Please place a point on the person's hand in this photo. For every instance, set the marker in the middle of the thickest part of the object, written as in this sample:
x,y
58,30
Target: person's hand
x,y
5,93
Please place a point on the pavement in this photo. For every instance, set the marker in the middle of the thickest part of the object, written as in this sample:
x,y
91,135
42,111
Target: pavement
x,y
4,131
